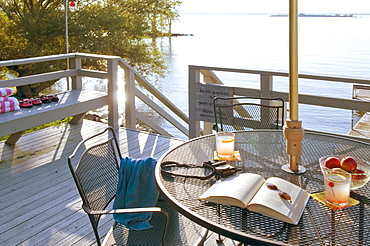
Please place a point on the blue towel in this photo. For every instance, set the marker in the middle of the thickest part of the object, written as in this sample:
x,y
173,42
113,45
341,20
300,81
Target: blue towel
x,y
136,189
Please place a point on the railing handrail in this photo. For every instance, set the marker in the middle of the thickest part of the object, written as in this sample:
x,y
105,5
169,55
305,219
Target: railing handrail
x,y
14,62
266,90
285,74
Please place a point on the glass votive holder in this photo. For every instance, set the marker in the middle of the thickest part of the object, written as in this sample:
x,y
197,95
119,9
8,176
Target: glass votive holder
x,y
225,144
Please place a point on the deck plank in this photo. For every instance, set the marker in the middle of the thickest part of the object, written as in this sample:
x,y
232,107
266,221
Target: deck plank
x,y
39,202
361,129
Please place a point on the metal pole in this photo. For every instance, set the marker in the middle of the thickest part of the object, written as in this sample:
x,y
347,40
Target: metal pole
x,y
67,42
66,24
293,130
293,60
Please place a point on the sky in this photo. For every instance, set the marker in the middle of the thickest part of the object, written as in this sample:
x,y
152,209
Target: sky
x,y
274,6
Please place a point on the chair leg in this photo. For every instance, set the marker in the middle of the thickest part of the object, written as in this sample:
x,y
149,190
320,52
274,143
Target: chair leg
x,y
220,240
202,238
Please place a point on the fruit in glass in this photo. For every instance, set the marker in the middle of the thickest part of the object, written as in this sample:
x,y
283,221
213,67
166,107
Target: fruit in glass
x,y
359,176
332,162
348,163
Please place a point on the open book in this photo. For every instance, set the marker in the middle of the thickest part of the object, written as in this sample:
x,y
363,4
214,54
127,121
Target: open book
x,y
249,190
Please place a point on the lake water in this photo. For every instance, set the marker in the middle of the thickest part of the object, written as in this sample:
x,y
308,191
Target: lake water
x,y
337,46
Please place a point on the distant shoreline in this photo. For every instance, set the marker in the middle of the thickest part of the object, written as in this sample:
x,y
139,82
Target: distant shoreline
x,y
315,15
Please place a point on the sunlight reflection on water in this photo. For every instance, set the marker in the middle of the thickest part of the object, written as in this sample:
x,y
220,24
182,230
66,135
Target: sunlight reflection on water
x,y
327,46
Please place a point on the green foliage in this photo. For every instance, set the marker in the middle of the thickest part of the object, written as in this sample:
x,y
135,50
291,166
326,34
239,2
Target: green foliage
x,y
125,28
2,73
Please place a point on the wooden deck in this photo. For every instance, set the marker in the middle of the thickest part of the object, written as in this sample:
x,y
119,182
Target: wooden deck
x,y
39,203
362,127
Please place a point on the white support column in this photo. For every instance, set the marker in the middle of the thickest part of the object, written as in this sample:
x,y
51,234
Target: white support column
x,y
130,112
113,93
194,125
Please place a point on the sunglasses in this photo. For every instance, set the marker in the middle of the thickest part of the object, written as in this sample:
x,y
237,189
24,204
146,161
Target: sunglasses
x,y
281,193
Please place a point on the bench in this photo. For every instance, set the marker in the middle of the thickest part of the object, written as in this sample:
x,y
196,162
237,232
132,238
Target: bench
x,y
71,103
74,102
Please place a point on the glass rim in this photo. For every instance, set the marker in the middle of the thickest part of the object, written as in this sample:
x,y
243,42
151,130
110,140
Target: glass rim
x,y
337,181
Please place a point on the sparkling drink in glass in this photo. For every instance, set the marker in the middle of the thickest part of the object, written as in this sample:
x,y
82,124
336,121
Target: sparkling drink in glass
x,y
225,144
337,184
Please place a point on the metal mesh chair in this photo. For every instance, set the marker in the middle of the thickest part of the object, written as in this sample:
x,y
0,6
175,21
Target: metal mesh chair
x,y
245,113
94,165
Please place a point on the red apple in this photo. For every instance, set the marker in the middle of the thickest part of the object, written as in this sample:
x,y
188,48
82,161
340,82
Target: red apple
x,y
357,174
332,162
348,164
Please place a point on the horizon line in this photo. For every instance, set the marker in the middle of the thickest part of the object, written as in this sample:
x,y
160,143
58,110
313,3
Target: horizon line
x,y
265,13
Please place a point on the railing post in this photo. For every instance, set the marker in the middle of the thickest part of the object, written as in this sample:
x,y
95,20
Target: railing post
x,y
194,125
130,112
208,79
266,85
77,80
113,93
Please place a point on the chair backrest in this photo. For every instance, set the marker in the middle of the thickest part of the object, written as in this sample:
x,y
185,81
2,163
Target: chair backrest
x,y
94,165
242,113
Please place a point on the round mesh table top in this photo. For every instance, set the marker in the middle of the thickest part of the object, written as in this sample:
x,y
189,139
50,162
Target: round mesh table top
x,y
263,152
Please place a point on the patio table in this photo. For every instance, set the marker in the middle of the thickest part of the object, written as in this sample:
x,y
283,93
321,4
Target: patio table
x,y
263,152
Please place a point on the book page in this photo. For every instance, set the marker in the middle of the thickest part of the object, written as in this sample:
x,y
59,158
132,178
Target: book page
x,y
269,202
235,190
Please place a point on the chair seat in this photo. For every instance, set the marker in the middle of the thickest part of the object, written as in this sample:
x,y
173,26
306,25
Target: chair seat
x,y
181,231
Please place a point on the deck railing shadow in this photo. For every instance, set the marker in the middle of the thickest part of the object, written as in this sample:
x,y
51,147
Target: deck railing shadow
x,y
40,204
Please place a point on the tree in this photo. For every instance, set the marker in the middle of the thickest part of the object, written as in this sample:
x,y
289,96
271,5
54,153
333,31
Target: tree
x,y
126,28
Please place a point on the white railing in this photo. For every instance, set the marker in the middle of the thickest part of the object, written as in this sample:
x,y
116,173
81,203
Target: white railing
x,y
132,91
76,72
207,75
170,111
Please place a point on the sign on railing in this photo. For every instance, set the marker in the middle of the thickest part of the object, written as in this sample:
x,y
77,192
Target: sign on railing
x,y
204,99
